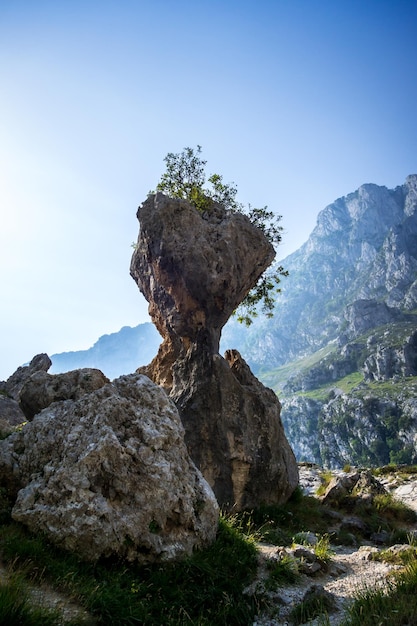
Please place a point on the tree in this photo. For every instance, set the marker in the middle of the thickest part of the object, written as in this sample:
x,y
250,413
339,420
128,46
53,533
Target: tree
x,y
185,178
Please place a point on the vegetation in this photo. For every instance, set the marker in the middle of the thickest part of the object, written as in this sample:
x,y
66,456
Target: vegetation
x,y
205,589
309,609
17,609
185,178
393,606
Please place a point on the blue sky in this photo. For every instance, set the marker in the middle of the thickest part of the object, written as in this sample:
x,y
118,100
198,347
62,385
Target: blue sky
x,y
298,102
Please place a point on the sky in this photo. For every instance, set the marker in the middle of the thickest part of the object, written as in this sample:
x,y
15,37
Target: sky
x,y
297,102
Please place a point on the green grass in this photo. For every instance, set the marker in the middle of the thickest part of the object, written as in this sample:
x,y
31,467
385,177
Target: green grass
x,y
325,477
397,606
277,524
281,573
308,610
204,589
278,377
17,609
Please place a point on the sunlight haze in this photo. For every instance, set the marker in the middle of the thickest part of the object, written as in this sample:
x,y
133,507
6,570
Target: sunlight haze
x,y
297,102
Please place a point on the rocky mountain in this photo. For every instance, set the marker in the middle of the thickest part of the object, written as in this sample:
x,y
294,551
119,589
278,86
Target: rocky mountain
x,y
341,349
115,354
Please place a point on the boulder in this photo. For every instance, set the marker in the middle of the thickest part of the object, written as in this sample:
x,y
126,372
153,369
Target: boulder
x,y
108,474
42,389
11,415
13,385
195,269
359,486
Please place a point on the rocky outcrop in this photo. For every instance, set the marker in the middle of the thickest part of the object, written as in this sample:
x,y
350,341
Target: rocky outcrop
x,y
108,474
365,314
387,361
11,415
234,431
195,269
360,484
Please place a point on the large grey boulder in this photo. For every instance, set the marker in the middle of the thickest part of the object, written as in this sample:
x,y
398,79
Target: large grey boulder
x,y
109,474
11,415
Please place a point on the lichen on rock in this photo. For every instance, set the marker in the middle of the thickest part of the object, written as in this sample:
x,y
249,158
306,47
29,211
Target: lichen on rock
x,y
108,474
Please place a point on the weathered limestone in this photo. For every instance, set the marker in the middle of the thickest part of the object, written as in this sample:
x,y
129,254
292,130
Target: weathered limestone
x,y
42,389
109,474
13,385
195,269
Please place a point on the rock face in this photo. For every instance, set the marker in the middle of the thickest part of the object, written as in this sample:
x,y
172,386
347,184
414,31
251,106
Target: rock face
x,y
234,431
357,270
109,474
195,269
14,384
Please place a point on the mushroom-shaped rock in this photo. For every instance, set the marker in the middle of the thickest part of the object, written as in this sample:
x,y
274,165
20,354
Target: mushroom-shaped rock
x,y
195,269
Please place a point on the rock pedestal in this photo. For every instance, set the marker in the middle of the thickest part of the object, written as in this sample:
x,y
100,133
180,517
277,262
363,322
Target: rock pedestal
x,y
195,269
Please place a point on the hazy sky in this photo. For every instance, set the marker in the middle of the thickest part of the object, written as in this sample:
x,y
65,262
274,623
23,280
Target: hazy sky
x,y
298,102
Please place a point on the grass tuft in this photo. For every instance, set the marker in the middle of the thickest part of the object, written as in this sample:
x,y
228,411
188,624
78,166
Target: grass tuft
x,y
394,606
16,609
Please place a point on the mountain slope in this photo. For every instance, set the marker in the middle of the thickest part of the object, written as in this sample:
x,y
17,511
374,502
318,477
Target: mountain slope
x,y
364,247
347,331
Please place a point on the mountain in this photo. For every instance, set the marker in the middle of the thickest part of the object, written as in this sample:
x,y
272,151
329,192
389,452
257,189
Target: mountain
x,y
341,349
363,248
115,354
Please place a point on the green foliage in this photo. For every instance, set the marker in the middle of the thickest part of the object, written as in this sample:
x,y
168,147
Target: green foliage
x,y
322,549
185,178
282,572
325,478
309,609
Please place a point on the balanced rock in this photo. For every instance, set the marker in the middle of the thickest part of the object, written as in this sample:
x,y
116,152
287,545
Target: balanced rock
x,y
195,269
109,474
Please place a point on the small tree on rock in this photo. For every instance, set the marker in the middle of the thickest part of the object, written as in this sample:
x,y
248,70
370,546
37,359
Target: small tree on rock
x,y
185,178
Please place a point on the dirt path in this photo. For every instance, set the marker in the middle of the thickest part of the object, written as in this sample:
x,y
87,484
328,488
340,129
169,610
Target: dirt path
x,y
351,569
